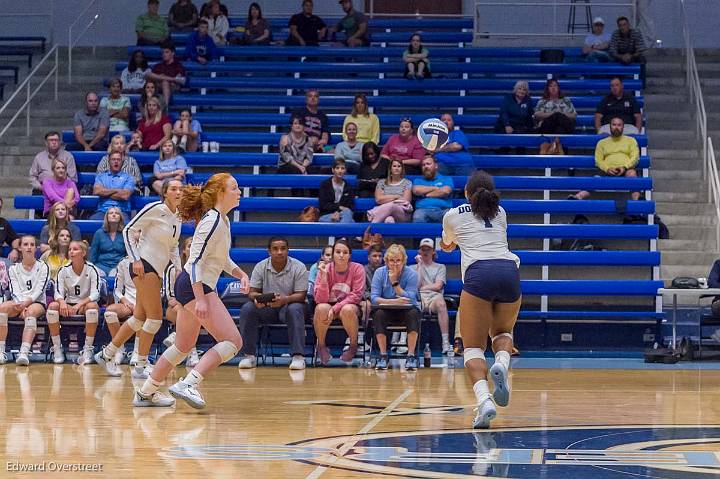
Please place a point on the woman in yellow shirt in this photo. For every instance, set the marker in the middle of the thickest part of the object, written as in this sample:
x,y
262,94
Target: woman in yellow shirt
x,y
57,256
368,125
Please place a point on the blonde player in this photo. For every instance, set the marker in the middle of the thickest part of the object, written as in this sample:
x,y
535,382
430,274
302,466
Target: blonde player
x,y
151,240
124,306
195,291
28,280
491,296
77,291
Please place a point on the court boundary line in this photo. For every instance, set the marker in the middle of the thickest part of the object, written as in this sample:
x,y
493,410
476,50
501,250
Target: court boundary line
x,y
355,438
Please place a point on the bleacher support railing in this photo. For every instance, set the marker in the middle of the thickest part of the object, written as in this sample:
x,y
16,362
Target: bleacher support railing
x,y
30,94
93,14
714,189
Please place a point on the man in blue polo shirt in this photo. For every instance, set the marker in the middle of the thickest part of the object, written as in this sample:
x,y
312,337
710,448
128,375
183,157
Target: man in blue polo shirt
x,y
454,157
114,187
432,192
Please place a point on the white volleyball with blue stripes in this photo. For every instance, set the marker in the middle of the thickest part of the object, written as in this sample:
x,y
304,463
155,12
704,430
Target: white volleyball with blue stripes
x,y
433,134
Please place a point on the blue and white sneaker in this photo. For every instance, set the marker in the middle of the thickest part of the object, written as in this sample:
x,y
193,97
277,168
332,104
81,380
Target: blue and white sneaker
x,y
486,412
411,363
382,363
188,393
501,393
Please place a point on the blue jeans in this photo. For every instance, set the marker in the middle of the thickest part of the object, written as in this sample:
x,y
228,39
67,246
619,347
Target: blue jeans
x,y
429,215
346,216
598,56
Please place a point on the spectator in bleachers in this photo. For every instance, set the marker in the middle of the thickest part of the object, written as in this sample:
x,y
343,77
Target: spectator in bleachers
x,y
8,237
58,219
306,29
56,256
368,124
373,169
595,48
135,143
170,166
218,24
395,284
432,277
186,132
618,154
516,111
114,187
350,150
406,147
375,260
554,112
129,164
433,192
183,16
108,247
417,59
149,91
151,28
41,167
91,124
336,198
626,44
338,292
133,75
117,106
355,26
454,156
155,127
206,9
257,29
315,121
393,196
287,279
618,103
296,151
59,188
201,47
325,257
169,73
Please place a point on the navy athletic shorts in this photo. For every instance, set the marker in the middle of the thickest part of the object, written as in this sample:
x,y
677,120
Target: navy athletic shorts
x,y
494,280
146,266
183,289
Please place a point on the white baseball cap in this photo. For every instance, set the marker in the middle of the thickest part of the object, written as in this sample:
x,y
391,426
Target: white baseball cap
x,y
427,242
597,20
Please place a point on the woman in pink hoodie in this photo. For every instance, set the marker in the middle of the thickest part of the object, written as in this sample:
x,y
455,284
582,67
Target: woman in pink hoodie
x,y
339,289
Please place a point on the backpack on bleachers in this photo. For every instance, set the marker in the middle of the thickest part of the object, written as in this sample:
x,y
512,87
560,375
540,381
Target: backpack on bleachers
x,y
552,148
309,214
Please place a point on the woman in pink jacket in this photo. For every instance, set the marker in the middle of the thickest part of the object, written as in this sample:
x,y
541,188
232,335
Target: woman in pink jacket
x,y
339,289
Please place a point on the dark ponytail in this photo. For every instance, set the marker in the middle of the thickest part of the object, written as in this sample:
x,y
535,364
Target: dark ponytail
x,y
484,200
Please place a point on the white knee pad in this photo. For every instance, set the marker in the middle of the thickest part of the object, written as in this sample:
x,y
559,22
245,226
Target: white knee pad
x,y
498,336
111,318
226,349
3,319
135,324
174,356
52,316
152,326
91,316
473,353
31,323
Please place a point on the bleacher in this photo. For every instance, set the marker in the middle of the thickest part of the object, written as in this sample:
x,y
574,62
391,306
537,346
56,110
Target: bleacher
x,y
245,105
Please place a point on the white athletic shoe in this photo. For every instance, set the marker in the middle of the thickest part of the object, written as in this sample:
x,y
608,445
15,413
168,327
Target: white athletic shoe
x,y
486,412
297,363
501,393
157,399
170,340
193,359
141,372
446,347
109,365
58,354
119,356
86,356
134,359
3,357
22,359
248,362
188,393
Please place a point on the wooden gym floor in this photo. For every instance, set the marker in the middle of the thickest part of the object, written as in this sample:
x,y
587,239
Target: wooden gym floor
x,y
562,422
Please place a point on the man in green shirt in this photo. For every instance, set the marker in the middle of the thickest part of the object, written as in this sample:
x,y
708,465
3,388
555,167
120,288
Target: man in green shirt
x,y
150,27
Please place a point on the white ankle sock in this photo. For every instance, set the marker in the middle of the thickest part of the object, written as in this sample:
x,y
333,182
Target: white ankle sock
x,y
446,339
136,345
25,347
482,392
150,386
110,350
193,378
141,361
56,341
2,346
503,357
89,341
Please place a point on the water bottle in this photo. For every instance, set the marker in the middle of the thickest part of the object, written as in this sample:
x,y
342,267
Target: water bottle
x,y
427,356
451,358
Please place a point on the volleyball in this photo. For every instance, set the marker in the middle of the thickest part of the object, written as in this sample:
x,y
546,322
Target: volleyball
x,y
432,133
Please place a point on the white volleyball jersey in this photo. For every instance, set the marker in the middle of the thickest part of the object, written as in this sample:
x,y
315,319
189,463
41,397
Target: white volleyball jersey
x,y
73,288
124,286
29,285
477,239
158,230
210,249
168,286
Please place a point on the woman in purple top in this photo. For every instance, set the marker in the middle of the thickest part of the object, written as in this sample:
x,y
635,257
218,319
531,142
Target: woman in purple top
x,y
59,188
